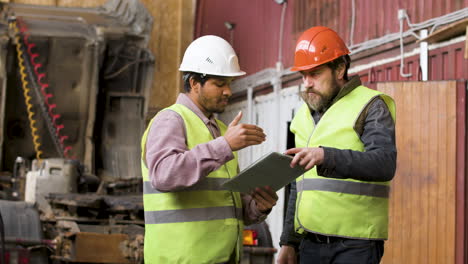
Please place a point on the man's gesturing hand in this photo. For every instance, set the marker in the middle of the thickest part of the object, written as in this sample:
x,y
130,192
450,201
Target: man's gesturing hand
x,y
240,136
306,157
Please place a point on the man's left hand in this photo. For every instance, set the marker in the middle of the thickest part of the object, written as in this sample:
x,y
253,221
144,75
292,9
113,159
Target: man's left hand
x,y
306,157
265,198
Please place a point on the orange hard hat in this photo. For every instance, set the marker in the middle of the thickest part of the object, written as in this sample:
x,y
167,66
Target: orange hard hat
x,y
316,46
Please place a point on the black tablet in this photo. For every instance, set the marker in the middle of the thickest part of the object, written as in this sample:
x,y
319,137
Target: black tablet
x,y
271,170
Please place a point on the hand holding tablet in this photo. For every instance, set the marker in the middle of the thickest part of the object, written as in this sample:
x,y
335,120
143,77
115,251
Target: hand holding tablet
x,y
272,170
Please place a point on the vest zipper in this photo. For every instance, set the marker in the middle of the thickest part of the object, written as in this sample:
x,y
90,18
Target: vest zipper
x,y
303,177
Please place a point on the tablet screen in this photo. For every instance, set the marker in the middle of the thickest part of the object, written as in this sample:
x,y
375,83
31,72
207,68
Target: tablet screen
x,y
271,170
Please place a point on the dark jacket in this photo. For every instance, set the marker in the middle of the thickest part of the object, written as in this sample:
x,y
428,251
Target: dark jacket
x,y
377,163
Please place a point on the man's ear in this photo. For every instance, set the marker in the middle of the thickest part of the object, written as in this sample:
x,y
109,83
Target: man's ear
x,y
194,85
340,71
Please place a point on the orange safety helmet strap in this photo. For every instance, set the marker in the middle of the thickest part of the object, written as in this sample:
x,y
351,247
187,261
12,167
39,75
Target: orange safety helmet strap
x,y
317,46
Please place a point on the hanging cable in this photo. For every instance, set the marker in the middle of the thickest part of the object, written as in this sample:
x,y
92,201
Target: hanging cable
x,y
414,28
26,93
402,63
280,44
353,20
124,68
411,30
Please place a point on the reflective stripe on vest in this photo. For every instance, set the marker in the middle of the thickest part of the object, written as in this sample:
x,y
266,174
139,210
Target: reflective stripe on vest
x,y
192,215
340,207
199,224
350,187
207,184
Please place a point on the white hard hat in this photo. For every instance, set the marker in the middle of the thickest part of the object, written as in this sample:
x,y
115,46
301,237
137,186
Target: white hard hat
x,y
211,55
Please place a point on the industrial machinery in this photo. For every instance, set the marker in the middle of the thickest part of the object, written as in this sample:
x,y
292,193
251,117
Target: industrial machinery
x,y
74,89
74,84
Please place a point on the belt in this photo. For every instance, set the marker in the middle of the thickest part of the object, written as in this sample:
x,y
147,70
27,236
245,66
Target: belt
x,y
323,239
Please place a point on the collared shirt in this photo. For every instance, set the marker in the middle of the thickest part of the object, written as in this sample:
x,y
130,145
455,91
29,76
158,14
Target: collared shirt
x,y
172,166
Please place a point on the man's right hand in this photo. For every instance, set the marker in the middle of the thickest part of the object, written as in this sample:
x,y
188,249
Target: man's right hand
x,y
287,255
240,136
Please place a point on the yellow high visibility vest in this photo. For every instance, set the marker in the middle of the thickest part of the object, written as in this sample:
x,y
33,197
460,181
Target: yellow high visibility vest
x,y
340,207
201,224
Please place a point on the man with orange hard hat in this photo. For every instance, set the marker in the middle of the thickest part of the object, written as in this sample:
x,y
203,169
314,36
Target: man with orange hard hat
x,y
345,139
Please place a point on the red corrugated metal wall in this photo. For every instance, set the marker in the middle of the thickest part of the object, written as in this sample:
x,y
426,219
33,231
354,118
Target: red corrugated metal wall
x,y
256,32
257,22
446,63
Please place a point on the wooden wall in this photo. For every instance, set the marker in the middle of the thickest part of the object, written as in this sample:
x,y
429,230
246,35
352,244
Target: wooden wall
x,y
423,194
172,33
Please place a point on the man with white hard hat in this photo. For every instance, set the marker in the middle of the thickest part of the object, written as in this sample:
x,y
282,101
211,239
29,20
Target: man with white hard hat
x,y
186,154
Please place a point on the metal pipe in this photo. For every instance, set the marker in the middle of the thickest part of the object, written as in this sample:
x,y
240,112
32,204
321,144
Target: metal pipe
x,y
29,242
92,49
423,56
250,116
277,86
259,250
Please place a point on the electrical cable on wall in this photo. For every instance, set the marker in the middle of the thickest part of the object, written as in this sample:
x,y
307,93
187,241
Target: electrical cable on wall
x,y
353,21
432,23
280,44
402,63
124,68
402,15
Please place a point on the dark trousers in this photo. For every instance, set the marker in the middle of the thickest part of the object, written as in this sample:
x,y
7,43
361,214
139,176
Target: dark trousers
x,y
318,249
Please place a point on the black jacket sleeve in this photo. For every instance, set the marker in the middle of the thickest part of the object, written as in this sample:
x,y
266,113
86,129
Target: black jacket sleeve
x,y
377,162
289,237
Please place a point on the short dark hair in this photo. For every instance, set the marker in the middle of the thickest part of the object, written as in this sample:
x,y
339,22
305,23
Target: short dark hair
x,y
186,76
338,61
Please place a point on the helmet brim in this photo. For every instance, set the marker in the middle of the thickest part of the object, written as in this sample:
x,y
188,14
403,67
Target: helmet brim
x,y
231,74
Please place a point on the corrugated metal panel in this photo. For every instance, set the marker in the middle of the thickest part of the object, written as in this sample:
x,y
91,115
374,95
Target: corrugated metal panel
x,y
445,63
373,18
21,220
256,34
422,204
257,22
